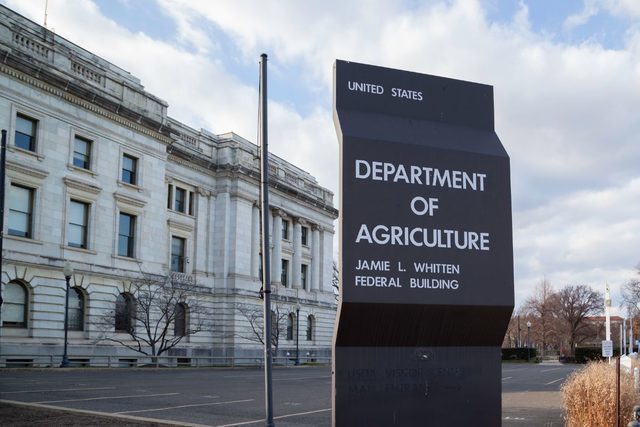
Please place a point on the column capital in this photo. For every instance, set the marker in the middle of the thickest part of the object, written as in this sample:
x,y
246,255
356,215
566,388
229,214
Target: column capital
x,y
206,192
279,212
316,227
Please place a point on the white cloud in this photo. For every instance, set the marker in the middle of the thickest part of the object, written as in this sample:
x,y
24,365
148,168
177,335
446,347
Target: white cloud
x,y
567,114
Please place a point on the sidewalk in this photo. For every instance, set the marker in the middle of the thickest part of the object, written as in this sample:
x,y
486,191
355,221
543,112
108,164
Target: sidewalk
x,y
22,415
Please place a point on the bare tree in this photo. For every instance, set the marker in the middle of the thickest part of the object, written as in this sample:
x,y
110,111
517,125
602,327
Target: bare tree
x,y
574,305
542,307
335,280
511,336
254,315
631,293
154,314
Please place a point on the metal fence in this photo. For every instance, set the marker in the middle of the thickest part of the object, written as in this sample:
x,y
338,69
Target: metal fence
x,y
93,361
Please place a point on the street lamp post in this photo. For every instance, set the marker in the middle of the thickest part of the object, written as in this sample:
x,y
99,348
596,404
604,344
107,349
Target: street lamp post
x,y
67,270
297,334
528,341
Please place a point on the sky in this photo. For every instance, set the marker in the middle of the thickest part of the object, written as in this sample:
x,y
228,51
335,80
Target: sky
x,y
566,78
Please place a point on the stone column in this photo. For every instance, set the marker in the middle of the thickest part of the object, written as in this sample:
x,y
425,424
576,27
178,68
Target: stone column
x,y
201,233
297,253
255,242
211,235
276,258
315,258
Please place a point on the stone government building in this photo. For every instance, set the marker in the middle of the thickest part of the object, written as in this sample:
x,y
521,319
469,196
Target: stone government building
x,y
100,176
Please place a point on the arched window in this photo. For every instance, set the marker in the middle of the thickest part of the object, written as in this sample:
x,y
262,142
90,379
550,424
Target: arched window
x,y
290,322
310,326
180,322
16,305
76,309
125,312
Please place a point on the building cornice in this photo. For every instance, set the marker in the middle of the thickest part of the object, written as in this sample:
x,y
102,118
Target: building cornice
x,y
75,93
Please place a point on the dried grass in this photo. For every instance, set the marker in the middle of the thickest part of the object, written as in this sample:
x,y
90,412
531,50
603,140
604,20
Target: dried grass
x,y
589,396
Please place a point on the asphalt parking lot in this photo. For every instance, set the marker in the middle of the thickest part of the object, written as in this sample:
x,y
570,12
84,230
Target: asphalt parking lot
x,y
235,397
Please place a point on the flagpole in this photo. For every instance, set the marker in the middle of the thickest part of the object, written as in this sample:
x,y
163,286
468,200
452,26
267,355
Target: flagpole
x,y
266,271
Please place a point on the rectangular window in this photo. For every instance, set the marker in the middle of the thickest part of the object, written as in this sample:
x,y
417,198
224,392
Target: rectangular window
x,y
192,197
179,200
129,169
285,229
285,273
25,137
20,211
304,268
78,224
81,153
305,235
177,254
126,235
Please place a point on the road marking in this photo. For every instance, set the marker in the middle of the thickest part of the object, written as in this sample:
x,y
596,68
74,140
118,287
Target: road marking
x,y
171,423
300,378
57,389
244,423
244,376
506,378
554,381
184,406
107,397
549,370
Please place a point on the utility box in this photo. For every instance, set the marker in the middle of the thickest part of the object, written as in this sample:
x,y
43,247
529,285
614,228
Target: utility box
x,y
426,250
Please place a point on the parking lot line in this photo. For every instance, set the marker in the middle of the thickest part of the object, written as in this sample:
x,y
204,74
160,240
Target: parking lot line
x,y
554,381
57,389
549,370
157,421
244,423
107,397
184,406
300,378
506,378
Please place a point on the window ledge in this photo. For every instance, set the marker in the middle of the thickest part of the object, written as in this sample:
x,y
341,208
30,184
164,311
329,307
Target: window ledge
x,y
74,168
184,214
125,258
22,239
81,250
37,155
131,186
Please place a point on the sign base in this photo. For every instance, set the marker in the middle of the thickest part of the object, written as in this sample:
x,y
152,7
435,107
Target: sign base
x,y
417,386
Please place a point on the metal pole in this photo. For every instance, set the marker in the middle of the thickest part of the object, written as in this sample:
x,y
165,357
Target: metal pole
x,y
3,164
297,336
528,343
65,358
631,335
624,336
618,392
266,270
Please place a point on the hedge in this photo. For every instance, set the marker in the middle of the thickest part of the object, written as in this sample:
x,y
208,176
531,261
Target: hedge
x,y
588,354
518,353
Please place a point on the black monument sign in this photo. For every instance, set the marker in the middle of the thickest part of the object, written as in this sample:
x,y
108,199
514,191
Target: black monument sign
x,y
426,256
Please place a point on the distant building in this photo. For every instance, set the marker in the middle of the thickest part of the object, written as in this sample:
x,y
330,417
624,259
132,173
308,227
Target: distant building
x,y
99,175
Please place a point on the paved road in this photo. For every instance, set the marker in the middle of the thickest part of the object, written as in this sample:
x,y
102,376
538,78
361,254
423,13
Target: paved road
x,y
234,397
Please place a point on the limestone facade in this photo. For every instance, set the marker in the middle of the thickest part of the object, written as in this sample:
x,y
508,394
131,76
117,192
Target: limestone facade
x,y
98,174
